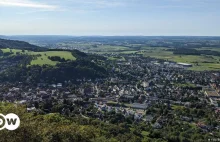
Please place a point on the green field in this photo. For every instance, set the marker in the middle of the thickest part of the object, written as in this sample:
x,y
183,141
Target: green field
x,y
108,49
209,48
161,53
43,59
117,58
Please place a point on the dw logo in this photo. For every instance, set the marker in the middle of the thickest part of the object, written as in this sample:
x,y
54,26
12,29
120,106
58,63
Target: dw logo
x,y
11,121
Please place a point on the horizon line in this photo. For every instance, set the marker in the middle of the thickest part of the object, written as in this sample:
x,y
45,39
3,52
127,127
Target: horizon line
x,y
111,35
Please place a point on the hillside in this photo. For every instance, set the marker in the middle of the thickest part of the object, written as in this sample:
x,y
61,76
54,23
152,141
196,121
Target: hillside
x,y
50,65
54,127
43,57
40,56
14,44
68,71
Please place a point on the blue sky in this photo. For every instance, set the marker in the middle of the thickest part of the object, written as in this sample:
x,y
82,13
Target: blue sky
x,y
110,17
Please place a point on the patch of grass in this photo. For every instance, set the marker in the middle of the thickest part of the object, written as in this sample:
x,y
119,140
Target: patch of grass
x,y
108,49
209,48
185,85
206,66
111,103
14,51
116,58
128,52
43,59
157,52
145,133
176,107
193,125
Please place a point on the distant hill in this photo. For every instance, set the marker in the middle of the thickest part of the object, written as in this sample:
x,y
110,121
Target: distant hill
x,y
14,44
2,36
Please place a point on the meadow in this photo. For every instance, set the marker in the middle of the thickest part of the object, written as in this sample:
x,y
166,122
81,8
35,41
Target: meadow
x,y
43,59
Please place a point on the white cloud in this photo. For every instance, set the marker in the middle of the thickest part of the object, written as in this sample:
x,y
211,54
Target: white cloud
x,y
76,6
26,3
102,3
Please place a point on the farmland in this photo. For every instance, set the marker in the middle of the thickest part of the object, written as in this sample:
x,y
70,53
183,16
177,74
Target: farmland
x,y
108,48
204,62
43,58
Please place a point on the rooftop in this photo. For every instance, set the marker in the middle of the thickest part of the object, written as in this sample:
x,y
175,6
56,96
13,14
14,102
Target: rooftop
x,y
184,64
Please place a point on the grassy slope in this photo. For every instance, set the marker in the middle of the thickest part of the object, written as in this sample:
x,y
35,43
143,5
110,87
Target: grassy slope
x,y
44,56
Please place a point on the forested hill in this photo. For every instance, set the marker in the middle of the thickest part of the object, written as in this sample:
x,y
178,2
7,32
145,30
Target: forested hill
x,y
14,44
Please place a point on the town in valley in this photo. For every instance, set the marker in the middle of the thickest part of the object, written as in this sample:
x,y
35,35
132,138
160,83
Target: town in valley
x,y
150,95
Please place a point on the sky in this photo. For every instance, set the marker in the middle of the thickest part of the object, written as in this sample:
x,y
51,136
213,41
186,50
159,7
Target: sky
x,y
110,17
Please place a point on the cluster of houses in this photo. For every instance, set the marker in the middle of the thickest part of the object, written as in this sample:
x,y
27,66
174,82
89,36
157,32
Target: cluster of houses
x,y
134,85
